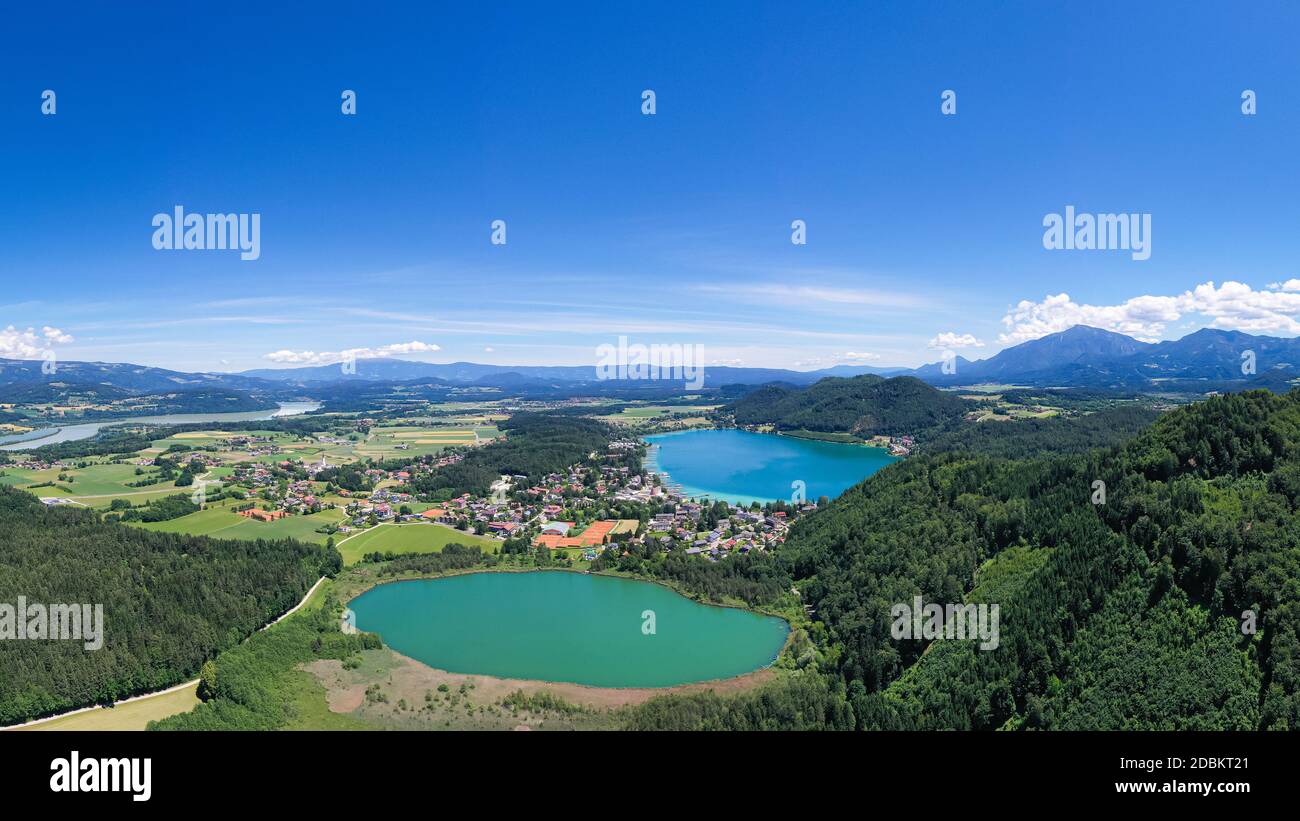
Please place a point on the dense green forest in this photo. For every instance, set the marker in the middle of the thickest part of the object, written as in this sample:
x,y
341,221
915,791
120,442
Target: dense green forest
x,y
1122,612
534,445
254,686
863,405
1055,434
756,578
170,601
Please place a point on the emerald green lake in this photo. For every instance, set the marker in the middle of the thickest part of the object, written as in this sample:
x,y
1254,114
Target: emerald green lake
x,y
740,467
559,626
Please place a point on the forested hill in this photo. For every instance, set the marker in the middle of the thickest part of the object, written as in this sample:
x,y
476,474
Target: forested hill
x,y
863,405
535,444
1125,614
1024,438
1117,613
170,602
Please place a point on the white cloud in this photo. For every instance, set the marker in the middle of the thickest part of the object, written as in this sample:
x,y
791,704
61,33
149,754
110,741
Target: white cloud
x,y
949,340
287,357
1230,306
728,363
1143,317
853,356
488,349
28,344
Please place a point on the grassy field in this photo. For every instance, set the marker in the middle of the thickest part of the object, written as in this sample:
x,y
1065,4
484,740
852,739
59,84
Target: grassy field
x,y
132,716
221,523
1005,412
413,538
95,486
417,440
95,480
823,436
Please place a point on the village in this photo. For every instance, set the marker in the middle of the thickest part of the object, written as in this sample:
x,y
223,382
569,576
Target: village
x,y
581,512
608,501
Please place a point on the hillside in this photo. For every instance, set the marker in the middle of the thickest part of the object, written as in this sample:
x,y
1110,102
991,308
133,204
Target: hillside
x,y
1082,356
1121,615
170,602
862,405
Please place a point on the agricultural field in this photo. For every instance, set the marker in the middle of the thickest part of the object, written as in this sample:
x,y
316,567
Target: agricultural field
x,y
683,414
401,441
133,715
1007,411
95,485
222,523
412,538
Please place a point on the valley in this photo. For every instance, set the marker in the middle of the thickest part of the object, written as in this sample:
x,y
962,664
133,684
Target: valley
x,y
398,488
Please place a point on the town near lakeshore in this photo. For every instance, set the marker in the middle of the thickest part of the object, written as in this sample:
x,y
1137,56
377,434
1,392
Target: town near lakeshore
x,y
370,484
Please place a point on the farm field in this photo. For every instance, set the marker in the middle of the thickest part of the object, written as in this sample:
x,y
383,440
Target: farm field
x,y
222,523
412,538
391,442
1006,412
644,413
16,477
96,485
132,716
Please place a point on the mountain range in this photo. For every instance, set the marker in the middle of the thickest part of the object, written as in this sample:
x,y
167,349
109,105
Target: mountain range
x,y
1092,357
1081,356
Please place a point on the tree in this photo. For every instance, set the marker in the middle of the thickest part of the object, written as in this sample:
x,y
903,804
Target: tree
x,y
208,680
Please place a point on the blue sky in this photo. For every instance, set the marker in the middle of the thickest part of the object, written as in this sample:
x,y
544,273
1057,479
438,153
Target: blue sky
x,y
375,228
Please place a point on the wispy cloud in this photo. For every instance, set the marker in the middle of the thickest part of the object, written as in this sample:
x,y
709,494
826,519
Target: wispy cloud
x,y
288,357
814,297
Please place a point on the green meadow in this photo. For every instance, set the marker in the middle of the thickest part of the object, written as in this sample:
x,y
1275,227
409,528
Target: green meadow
x,y
412,538
99,480
222,523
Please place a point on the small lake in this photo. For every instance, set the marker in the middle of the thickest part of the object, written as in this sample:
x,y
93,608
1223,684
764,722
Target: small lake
x,y
740,467
562,626
85,430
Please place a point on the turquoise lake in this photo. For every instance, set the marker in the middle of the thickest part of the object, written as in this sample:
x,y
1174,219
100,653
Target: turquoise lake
x,y
741,467
573,627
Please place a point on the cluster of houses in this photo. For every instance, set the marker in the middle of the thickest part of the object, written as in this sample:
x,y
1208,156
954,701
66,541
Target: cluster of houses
x,y
35,464
255,475
500,517
901,445
741,531
898,445
254,445
384,505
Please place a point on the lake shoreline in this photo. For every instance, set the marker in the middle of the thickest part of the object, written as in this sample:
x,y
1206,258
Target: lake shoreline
x,y
583,695
743,466
603,573
790,627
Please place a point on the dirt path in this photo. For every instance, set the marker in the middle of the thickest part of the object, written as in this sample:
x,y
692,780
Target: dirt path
x,y
157,693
